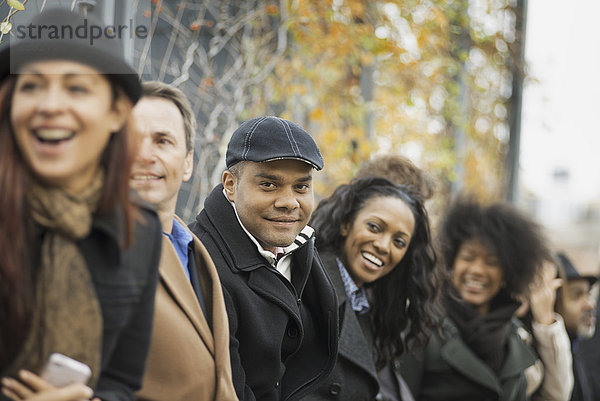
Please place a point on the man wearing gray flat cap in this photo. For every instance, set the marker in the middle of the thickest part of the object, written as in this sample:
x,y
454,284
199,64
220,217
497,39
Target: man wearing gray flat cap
x,y
281,304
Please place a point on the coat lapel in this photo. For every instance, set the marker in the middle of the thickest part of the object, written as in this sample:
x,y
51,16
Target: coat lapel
x,y
267,284
180,288
520,357
220,324
462,359
353,344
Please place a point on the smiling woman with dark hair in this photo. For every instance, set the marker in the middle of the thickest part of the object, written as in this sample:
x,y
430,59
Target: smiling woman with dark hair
x,y
373,237
493,254
79,258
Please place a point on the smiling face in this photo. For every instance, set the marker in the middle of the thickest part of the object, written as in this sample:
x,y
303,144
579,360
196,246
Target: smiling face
x,y
63,115
378,238
477,275
162,162
274,200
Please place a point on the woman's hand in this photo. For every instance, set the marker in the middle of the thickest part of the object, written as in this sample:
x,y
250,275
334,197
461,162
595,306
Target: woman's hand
x,y
543,294
31,387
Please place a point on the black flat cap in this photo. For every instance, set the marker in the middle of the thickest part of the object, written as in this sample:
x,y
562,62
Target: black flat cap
x,y
59,34
268,138
569,270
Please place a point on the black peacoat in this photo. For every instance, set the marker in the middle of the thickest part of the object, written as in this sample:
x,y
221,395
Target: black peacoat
x,y
354,377
125,285
125,282
283,339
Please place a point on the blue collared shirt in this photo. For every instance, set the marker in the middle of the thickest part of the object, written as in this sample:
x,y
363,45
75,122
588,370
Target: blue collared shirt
x,y
181,238
357,296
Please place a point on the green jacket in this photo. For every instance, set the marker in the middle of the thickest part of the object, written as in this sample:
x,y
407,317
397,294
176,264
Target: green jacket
x,y
447,369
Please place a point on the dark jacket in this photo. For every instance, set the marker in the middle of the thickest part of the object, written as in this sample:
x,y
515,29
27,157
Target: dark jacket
x,y
283,340
354,377
449,370
583,377
125,283
589,351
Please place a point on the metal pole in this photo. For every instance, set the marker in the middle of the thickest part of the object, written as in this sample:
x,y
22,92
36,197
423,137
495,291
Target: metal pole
x,y
512,158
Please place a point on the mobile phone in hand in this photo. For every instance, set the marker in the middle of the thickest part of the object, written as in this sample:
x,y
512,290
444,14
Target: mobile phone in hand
x,y
61,370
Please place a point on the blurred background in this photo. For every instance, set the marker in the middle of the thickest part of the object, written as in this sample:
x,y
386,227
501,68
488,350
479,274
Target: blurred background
x,y
494,97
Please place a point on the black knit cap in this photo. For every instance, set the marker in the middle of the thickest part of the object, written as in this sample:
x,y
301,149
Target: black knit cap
x,y
59,34
569,271
269,138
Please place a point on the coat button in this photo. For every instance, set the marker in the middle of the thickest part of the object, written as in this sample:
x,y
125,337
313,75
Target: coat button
x,y
292,332
334,389
276,384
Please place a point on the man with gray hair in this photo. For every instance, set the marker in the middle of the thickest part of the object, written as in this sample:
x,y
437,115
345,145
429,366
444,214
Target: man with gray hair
x,y
189,352
576,305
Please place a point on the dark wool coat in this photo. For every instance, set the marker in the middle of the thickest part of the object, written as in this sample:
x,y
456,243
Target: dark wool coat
x,y
125,283
449,370
283,340
589,351
354,377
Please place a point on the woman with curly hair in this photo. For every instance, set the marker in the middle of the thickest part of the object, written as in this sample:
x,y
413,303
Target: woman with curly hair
x,y
493,254
374,239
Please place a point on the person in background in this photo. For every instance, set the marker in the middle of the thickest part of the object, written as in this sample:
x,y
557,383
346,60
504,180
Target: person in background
x,y
281,305
400,170
374,239
493,253
80,258
589,350
189,352
551,378
574,302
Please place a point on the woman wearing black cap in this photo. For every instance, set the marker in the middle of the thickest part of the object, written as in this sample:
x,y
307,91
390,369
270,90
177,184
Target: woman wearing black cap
x,y
79,259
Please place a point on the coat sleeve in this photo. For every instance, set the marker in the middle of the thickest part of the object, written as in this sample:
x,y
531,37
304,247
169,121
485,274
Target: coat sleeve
x,y
554,349
243,391
123,373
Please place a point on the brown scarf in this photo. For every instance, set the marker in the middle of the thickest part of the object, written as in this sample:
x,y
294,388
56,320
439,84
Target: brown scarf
x,y
66,316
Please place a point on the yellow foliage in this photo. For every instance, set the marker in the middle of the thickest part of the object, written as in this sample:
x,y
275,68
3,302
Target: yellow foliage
x,y
17,5
322,79
357,7
316,114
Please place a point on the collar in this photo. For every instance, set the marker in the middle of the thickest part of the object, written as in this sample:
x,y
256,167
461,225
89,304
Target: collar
x,y
180,234
306,233
358,296
235,241
112,222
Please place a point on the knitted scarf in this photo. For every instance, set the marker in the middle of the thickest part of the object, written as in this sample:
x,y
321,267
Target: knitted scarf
x,y
485,335
66,316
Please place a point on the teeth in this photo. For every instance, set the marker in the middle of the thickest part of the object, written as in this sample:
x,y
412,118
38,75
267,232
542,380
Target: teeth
x,y
474,284
144,177
372,258
53,134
